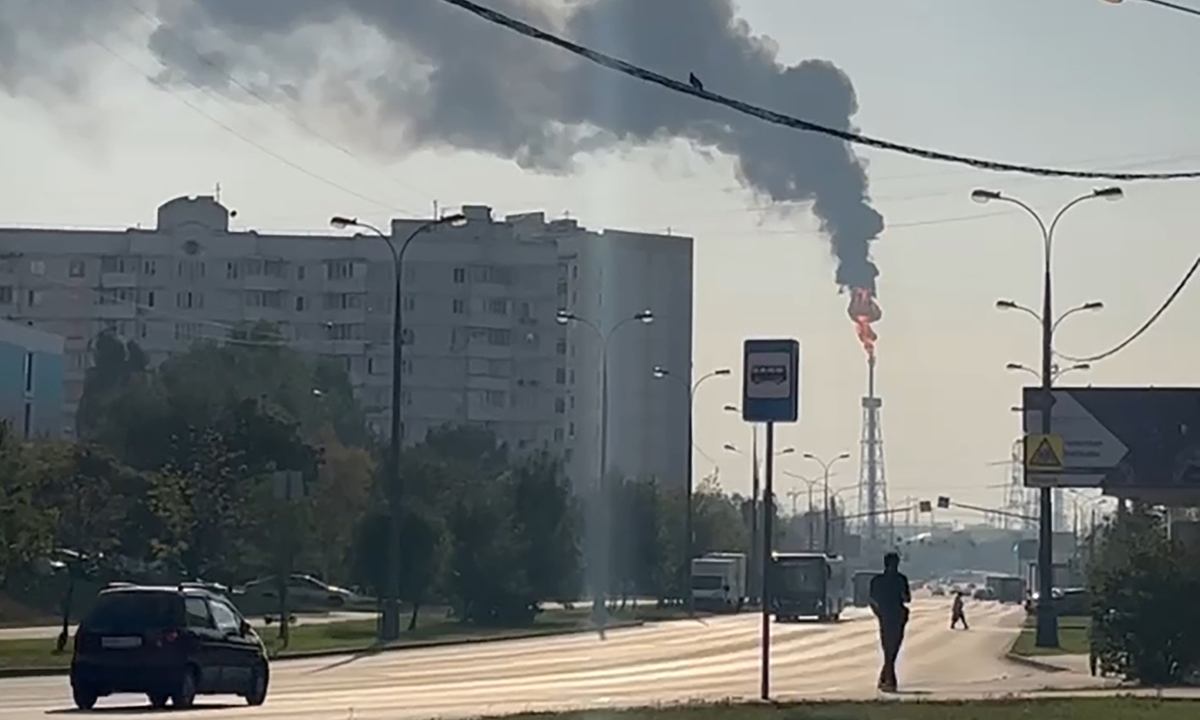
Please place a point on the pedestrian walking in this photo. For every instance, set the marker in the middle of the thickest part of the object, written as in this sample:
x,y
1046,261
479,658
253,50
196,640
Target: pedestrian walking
x,y
889,601
957,614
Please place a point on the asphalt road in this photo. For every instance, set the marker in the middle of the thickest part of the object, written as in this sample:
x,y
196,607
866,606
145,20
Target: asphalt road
x,y
50,632
686,660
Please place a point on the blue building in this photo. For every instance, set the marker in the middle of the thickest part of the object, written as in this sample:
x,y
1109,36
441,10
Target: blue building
x,y
31,381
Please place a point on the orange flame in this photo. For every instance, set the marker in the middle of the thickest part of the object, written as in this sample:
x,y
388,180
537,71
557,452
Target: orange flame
x,y
864,311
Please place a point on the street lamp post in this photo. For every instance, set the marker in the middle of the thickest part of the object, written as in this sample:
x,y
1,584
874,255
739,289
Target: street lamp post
x,y
565,317
755,566
825,471
809,484
389,625
661,372
1047,621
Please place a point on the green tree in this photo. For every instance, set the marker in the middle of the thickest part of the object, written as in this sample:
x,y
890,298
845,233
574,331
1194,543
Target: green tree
x,y
1146,623
26,530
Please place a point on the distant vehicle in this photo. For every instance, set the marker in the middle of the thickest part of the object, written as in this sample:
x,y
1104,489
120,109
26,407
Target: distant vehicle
x,y
807,585
1006,588
170,643
719,581
305,594
983,593
862,587
938,590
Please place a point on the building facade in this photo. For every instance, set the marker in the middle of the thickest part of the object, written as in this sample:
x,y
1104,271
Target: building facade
x,y
479,307
31,381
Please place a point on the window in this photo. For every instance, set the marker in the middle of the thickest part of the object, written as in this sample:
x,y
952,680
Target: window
x,y
339,269
231,270
299,303
6,295
264,298
560,406
143,329
149,268
525,311
497,307
561,347
560,376
406,366
495,398
460,275
226,619
77,269
574,271
343,301
558,435
190,269
300,272
196,614
493,274
150,299
406,336
345,331
370,366
499,337
458,305
571,399
571,431
33,298
410,303
28,372
37,267
189,300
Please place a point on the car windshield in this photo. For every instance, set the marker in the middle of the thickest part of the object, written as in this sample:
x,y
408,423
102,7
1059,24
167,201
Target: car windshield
x,y
706,582
132,612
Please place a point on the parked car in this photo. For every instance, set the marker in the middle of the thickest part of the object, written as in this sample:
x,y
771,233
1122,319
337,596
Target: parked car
x,y
305,594
169,643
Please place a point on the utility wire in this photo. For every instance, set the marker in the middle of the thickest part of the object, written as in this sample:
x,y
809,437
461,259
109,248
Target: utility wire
x,y
796,123
1172,6
1145,326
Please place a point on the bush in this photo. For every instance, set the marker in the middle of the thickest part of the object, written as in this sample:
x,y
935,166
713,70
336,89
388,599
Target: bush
x,y
1145,620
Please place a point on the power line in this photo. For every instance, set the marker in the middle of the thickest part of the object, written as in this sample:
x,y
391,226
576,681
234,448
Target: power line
x,y
1145,326
246,138
1168,5
796,123
290,116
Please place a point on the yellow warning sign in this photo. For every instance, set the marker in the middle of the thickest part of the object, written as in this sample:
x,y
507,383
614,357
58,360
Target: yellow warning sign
x,y
1044,452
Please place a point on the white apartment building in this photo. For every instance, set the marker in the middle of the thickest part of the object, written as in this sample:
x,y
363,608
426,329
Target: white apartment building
x,y
482,344
606,278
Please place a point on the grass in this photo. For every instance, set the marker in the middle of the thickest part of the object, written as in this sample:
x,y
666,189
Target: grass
x,y
1055,709
1072,638
359,635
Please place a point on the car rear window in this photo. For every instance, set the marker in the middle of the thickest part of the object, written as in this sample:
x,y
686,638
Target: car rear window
x,y
133,612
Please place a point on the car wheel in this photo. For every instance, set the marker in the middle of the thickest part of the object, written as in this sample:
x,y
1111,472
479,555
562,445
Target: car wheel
x,y
85,697
257,692
185,696
158,700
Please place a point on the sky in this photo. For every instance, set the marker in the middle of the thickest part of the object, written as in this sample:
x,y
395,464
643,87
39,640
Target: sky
x,y
1074,83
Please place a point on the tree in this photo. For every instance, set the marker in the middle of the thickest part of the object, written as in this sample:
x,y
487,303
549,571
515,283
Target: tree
x,y
1146,623
26,530
343,494
116,365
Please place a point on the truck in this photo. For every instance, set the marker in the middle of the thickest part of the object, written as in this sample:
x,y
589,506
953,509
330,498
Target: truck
x,y
807,585
719,581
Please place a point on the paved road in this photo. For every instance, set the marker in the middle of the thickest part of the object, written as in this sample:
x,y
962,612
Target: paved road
x,y
714,659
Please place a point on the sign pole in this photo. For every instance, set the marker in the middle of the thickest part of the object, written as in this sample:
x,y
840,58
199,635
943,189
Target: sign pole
x,y
768,530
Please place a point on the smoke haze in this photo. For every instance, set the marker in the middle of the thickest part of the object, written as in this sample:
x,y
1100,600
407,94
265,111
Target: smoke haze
x,y
426,74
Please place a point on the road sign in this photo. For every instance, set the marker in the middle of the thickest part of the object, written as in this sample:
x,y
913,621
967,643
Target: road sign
x,y
771,381
1145,438
1043,453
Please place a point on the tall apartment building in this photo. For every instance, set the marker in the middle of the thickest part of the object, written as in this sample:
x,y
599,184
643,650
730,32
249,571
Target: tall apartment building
x,y
479,304
606,278
31,381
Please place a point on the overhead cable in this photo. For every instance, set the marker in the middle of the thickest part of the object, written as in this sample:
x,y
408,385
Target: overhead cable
x,y
777,118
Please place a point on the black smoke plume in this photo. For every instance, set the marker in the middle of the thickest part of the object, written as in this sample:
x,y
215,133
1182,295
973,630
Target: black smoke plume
x,y
431,75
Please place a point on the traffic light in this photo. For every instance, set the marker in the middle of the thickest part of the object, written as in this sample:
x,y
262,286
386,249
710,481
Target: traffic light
x,y
943,502
925,506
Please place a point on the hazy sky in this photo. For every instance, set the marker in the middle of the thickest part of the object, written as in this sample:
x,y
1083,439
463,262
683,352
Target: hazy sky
x,y
1076,83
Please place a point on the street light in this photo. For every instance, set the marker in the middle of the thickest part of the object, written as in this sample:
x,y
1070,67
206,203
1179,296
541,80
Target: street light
x,y
566,317
389,626
1055,371
825,469
809,484
1047,621
661,373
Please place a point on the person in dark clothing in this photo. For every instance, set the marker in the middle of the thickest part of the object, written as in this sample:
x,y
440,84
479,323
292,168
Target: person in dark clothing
x,y
957,614
889,601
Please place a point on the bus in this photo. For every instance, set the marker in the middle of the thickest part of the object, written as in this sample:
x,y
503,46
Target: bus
x,y
1006,588
862,587
807,585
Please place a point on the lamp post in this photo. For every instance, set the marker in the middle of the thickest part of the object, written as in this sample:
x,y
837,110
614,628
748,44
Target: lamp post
x,y
565,317
1055,372
389,625
809,484
1047,621
660,373
755,566
825,472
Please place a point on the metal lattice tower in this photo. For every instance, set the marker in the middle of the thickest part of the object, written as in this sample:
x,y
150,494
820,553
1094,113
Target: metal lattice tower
x,y
1016,499
872,481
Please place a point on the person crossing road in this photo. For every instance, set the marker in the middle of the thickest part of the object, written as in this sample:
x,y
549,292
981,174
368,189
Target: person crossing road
x,y
957,614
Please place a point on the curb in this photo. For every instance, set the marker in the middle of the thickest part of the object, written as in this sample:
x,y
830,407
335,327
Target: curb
x,y
29,672
1035,664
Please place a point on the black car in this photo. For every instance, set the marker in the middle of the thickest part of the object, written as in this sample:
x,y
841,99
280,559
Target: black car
x,y
171,643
